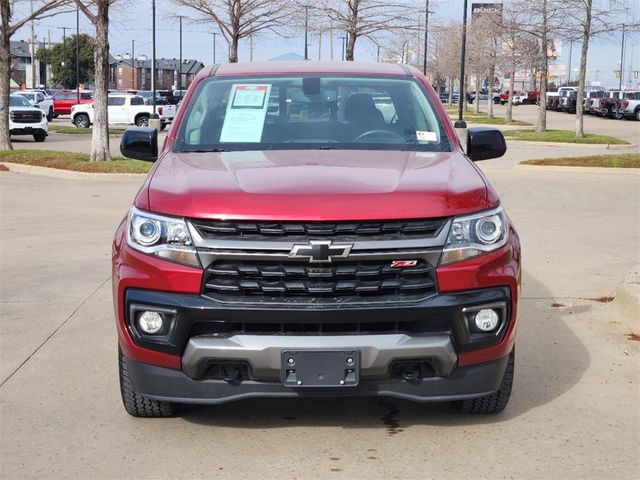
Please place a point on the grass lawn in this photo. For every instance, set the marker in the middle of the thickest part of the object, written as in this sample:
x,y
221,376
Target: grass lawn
x,y
482,118
73,130
562,136
78,162
627,160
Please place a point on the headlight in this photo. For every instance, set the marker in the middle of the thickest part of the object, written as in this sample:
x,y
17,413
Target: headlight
x,y
475,235
164,237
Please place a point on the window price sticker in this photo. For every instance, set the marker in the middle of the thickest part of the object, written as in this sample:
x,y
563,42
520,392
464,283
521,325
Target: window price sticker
x,y
246,113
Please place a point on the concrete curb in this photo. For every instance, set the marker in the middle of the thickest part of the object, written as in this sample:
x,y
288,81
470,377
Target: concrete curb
x,y
69,174
605,146
627,299
598,170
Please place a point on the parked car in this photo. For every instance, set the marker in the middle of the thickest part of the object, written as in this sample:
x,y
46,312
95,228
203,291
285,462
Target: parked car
x,y
330,252
444,97
64,100
25,119
517,96
39,100
123,109
629,105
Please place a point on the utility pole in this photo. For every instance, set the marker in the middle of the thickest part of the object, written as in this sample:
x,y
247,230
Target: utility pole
x,y
622,58
344,39
251,47
378,53
320,44
306,32
426,37
214,46
77,54
133,64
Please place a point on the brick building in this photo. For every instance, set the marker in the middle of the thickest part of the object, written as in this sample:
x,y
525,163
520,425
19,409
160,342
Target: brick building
x,y
128,74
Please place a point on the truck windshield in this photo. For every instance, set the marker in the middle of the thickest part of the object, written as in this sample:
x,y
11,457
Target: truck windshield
x,y
18,101
311,112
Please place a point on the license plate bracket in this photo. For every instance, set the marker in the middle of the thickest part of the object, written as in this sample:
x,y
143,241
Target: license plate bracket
x,y
320,368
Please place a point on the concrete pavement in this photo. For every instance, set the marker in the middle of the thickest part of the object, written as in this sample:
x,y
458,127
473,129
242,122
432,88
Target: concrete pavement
x,y
573,412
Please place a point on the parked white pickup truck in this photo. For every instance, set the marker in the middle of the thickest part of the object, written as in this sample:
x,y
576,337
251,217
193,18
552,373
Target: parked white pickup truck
x,y
25,119
122,110
629,105
39,100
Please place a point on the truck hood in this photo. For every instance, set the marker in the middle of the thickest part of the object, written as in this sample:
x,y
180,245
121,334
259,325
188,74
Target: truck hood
x,y
315,185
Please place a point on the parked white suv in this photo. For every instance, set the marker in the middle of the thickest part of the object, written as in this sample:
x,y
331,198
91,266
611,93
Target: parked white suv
x,y
25,119
123,109
41,101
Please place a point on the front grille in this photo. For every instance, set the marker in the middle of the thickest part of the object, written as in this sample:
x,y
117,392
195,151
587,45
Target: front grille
x,y
26,117
285,281
337,231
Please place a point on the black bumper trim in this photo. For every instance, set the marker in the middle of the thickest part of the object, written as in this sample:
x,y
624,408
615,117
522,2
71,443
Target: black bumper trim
x,y
165,384
194,309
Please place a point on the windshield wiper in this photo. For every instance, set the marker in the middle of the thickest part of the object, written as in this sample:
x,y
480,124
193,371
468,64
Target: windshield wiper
x,y
204,150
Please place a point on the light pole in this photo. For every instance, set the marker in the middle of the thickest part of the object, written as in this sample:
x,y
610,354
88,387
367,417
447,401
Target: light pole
x,y
622,58
214,46
306,32
344,39
426,36
461,123
180,61
570,57
154,116
77,54
133,64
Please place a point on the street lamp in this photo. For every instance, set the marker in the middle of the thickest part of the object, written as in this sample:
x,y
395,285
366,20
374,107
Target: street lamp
x,y
461,123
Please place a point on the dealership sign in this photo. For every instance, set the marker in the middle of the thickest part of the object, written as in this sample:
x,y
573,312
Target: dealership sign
x,y
480,9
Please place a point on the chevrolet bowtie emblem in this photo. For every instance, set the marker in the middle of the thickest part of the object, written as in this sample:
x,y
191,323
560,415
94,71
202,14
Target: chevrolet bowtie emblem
x,y
320,251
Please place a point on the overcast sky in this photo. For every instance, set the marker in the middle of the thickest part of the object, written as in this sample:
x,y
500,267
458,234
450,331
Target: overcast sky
x,y
132,21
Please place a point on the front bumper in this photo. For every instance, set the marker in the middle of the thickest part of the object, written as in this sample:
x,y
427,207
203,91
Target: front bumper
x,y
166,384
27,128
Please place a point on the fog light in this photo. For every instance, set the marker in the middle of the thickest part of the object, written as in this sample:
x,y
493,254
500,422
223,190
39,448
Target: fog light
x,y
150,322
486,319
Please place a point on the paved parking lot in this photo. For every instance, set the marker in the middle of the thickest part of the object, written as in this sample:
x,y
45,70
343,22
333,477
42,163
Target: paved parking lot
x,y
573,414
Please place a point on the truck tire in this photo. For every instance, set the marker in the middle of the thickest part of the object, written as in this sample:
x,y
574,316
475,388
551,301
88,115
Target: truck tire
x,y
163,126
40,136
637,114
496,402
81,120
142,121
50,114
135,404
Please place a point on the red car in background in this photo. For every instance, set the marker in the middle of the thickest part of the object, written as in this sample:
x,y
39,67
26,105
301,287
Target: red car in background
x,y
64,100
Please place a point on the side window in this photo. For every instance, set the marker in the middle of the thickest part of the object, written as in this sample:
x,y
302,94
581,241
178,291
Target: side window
x,y
39,98
115,101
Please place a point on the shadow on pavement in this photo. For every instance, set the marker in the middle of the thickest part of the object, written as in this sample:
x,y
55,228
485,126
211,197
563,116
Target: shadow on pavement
x,y
550,360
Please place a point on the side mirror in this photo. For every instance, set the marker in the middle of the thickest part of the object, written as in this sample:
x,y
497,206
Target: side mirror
x,y
140,144
485,143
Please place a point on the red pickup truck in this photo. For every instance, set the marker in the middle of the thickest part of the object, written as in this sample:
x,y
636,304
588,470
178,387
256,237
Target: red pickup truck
x,y
65,99
315,229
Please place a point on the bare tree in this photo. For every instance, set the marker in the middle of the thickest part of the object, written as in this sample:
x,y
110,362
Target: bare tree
x,y
97,12
42,9
591,18
238,19
365,18
447,54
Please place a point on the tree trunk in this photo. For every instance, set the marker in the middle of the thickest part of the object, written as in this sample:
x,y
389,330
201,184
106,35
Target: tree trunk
x,y
477,99
351,46
463,94
233,50
492,74
100,137
541,124
451,83
5,77
509,115
583,70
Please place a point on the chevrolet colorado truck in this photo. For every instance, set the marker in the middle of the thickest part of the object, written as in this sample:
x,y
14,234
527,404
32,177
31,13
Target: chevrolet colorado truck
x,y
292,240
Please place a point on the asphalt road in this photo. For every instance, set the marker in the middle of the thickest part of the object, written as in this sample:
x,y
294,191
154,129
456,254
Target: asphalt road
x,y
573,414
